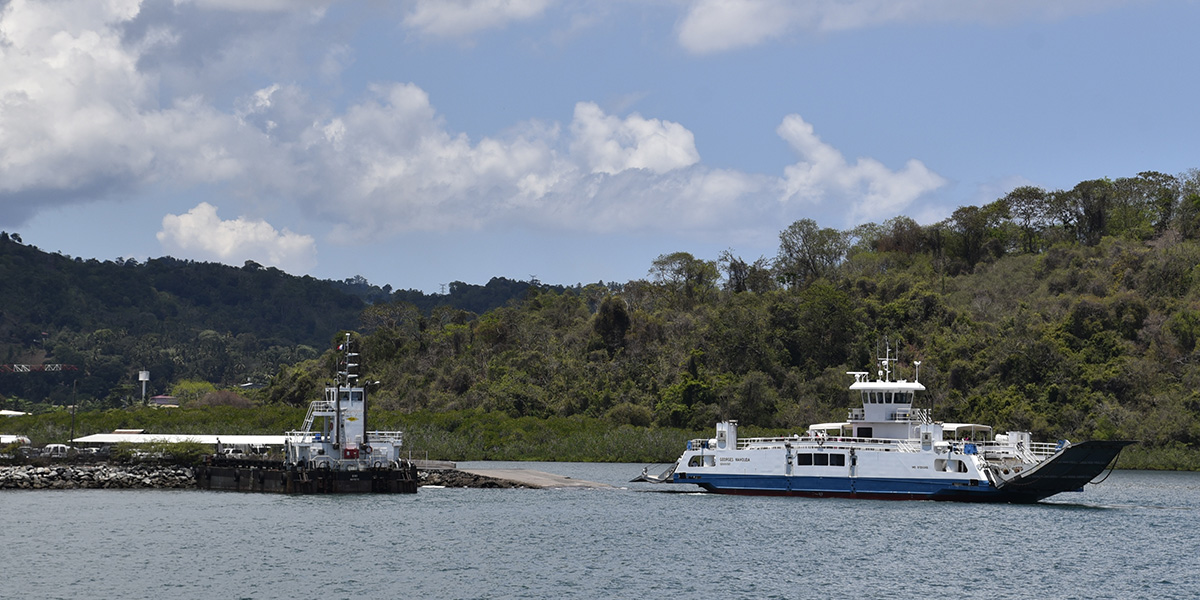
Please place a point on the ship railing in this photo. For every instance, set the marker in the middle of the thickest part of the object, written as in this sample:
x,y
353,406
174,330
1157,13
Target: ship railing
x,y
912,415
302,436
323,406
831,441
395,437
1040,451
1036,452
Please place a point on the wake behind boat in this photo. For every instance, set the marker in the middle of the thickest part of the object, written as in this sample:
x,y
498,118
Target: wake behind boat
x,y
887,449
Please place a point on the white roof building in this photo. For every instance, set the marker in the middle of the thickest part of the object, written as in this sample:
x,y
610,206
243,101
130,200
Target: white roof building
x,y
175,438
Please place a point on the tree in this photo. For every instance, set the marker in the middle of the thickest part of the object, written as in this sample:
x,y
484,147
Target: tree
x,y
1162,192
1187,219
901,234
688,279
969,225
1092,202
743,277
1028,206
612,322
736,272
808,253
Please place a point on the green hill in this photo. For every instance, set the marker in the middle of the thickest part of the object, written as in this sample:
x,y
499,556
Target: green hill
x,y
1070,313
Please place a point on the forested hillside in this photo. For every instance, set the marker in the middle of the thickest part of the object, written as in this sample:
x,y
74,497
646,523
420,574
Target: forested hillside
x,y
1069,313
181,320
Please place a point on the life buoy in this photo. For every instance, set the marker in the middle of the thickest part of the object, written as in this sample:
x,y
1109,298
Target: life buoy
x,y
366,449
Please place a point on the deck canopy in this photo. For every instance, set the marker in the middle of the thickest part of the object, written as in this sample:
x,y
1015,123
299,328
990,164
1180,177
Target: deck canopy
x,y
959,430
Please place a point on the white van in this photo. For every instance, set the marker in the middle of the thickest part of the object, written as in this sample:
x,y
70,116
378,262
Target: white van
x,y
56,450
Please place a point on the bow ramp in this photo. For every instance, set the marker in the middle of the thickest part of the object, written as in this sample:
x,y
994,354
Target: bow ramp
x,y
665,477
1067,471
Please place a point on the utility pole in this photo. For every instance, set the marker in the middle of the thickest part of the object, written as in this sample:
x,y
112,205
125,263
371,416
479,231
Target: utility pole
x,y
143,376
74,389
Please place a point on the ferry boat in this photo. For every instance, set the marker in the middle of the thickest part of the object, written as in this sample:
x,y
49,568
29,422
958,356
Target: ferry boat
x,y
334,452
889,449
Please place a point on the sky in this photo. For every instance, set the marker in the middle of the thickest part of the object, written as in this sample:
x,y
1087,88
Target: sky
x,y
421,142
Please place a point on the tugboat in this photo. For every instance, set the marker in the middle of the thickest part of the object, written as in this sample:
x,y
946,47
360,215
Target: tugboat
x,y
887,449
333,453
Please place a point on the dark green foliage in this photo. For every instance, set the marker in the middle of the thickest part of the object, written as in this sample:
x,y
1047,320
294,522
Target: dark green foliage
x,y
177,319
462,296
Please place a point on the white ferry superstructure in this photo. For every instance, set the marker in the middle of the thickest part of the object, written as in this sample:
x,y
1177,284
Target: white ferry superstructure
x,y
888,449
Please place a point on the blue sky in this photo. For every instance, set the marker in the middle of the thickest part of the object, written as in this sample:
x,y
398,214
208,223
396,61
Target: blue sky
x,y
422,142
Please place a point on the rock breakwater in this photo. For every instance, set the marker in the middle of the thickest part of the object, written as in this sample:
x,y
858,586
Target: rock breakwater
x,y
106,476
461,479
28,477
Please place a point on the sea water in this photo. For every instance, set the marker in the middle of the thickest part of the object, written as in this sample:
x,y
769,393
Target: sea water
x,y
1133,536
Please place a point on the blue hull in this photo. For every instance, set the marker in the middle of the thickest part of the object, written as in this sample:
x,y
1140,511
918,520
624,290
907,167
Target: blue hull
x,y
845,487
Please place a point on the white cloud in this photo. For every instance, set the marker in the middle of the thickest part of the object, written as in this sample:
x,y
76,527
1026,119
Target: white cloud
x,y
873,191
390,166
610,145
201,233
79,120
460,18
715,25
84,111
261,5
720,25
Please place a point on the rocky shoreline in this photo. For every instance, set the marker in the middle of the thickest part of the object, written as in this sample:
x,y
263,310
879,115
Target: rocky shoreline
x,y
461,479
65,477
105,476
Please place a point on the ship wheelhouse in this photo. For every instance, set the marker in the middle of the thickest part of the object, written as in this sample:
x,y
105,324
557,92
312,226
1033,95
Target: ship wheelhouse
x,y
887,408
